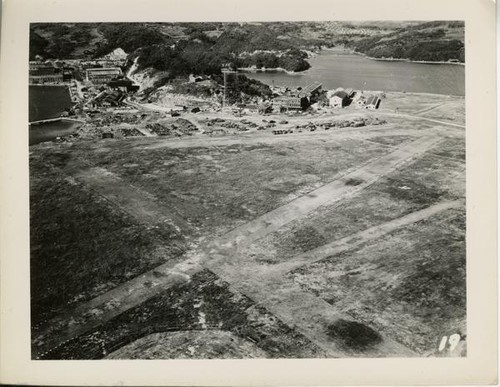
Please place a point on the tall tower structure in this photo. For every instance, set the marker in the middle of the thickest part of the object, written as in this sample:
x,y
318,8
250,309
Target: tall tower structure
x,y
230,83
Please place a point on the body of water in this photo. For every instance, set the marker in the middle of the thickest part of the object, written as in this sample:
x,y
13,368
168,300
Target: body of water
x,y
49,131
49,102
358,72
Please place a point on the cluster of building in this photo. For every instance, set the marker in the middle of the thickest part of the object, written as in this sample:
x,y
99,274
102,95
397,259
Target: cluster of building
x,y
302,98
91,83
54,72
340,98
49,72
98,72
107,98
102,75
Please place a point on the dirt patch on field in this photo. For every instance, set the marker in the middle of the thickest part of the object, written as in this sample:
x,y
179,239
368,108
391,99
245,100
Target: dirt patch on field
x,y
425,181
189,345
306,238
451,147
353,335
354,181
392,140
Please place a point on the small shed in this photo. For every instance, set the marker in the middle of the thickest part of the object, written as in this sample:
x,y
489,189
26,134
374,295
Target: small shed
x,y
373,102
339,99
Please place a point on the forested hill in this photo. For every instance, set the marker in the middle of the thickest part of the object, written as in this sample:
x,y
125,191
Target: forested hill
x,y
431,41
204,47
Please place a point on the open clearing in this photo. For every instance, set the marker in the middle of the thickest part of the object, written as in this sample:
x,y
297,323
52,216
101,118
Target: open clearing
x,y
332,243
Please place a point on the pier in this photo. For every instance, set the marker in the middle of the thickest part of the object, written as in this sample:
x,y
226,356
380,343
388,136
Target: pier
x,y
56,120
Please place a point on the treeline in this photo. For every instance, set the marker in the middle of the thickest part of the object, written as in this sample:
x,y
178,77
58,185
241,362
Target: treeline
x,y
129,37
196,52
241,87
291,60
186,57
249,38
203,55
443,50
58,40
86,40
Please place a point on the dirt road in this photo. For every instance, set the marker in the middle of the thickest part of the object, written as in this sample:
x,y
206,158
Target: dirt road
x,y
136,202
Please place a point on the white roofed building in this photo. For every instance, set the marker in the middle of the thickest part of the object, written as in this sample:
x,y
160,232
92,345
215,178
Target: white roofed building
x,y
101,75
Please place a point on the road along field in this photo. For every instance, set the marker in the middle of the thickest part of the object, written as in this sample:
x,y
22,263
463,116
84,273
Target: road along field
x,y
348,242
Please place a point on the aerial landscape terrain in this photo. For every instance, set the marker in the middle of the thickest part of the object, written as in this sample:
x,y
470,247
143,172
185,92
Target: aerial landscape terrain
x,y
247,190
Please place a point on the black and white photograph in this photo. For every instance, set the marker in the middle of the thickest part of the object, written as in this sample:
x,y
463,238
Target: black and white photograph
x,y
248,193
247,190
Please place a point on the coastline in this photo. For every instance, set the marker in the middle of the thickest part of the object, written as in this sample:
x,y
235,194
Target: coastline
x,y
346,51
268,70
49,84
51,130
414,61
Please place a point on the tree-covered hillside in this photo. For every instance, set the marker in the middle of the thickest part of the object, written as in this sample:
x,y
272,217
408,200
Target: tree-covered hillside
x,y
432,41
203,47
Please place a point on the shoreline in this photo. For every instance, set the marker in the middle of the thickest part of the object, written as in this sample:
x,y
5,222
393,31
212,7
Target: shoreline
x,y
55,119
379,91
268,70
347,51
49,84
337,51
342,50
413,61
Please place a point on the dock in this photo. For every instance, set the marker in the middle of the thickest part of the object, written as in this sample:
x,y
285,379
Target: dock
x,y
55,120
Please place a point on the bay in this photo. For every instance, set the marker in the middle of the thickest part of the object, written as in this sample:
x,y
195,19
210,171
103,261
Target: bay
x,y
46,102
335,69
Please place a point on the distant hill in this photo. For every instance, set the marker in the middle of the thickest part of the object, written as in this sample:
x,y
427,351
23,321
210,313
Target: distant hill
x,y
428,41
216,43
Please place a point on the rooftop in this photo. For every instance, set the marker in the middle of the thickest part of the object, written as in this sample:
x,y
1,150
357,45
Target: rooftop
x,y
372,100
342,94
104,70
311,88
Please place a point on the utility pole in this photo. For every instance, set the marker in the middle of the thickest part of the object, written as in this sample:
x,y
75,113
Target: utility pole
x,y
226,69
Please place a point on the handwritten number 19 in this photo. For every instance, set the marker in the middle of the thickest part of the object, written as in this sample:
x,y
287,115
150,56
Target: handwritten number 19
x,y
453,340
